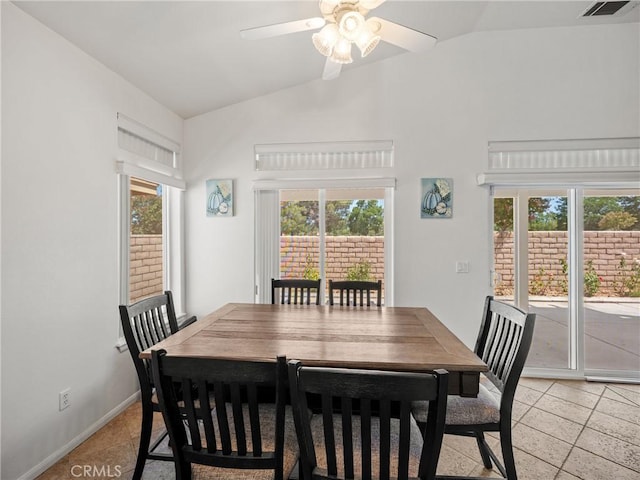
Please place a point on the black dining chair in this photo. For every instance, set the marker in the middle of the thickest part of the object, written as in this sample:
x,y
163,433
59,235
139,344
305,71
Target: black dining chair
x,y
144,324
356,292
295,291
365,429
235,432
503,344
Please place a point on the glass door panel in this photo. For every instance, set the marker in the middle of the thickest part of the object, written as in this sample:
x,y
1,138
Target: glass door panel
x,y
504,276
548,280
354,241
333,234
299,235
611,249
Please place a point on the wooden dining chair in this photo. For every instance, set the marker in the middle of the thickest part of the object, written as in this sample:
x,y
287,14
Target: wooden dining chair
x,y
234,431
503,344
296,291
356,292
144,324
365,429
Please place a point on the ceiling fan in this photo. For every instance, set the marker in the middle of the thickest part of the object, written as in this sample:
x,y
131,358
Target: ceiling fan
x,y
344,23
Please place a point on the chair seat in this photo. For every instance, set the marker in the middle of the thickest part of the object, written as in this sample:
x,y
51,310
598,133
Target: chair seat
x,y
483,409
267,421
415,450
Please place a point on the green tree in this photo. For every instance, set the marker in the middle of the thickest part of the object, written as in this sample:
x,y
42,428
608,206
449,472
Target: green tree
x,y
595,208
366,218
146,214
336,214
617,221
540,217
299,218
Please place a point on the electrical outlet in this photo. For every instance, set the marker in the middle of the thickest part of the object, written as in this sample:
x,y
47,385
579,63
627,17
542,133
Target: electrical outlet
x,y
64,397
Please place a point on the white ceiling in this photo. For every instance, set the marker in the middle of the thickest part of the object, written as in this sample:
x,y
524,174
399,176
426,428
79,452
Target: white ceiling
x,y
189,55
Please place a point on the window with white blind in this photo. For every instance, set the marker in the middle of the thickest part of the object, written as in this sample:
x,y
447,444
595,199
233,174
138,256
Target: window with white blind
x,y
151,211
318,201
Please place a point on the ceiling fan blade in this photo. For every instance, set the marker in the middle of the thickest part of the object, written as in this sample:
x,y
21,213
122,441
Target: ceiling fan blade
x,y
331,70
277,29
403,37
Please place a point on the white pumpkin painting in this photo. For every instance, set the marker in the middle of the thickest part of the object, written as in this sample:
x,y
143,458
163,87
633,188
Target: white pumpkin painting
x,y
437,198
219,198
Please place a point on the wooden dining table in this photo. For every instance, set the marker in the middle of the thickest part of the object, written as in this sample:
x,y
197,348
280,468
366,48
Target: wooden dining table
x,y
382,338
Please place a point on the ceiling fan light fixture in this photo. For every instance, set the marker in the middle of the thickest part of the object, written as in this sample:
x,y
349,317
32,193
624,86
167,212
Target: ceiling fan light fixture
x,y
325,40
367,42
351,25
342,52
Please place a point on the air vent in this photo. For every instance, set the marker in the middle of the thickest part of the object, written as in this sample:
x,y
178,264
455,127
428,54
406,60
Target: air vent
x,y
609,8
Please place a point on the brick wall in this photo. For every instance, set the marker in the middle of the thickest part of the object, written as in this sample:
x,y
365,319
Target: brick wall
x,y
547,249
342,252
145,267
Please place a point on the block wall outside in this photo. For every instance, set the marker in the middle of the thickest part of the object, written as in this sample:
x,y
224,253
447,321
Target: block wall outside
x,y
342,252
145,266
546,250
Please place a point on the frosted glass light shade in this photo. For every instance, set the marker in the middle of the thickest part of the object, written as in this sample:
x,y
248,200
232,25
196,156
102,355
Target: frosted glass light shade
x,y
351,25
342,52
325,40
367,42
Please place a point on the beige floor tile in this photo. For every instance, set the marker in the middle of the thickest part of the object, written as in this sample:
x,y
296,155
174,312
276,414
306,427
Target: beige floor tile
x,y
613,395
527,395
562,475
556,426
592,387
574,395
60,471
633,387
453,462
564,409
540,445
587,466
539,384
114,433
625,392
518,410
630,413
480,471
618,451
530,467
118,458
616,427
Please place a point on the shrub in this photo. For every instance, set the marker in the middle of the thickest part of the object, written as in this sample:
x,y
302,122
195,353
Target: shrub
x,y
359,271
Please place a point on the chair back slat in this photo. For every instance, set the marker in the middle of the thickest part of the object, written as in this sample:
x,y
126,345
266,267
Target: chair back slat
x,y
355,292
295,291
503,342
373,399
219,431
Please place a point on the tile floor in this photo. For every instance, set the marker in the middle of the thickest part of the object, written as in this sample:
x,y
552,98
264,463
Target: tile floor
x,y
563,430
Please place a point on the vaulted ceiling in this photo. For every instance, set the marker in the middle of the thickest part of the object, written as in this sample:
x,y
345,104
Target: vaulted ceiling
x,y
190,57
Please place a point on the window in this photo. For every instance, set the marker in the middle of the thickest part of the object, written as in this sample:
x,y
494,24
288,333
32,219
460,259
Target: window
x,y
299,227
332,234
151,211
566,239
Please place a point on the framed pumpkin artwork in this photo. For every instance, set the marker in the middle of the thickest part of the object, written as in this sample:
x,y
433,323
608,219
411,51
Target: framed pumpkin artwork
x,y
437,198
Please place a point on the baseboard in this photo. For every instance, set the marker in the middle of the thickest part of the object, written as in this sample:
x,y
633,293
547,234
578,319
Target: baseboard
x,y
59,454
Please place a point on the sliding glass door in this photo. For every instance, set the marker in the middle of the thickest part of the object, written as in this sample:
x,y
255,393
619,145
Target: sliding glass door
x,y
335,234
573,257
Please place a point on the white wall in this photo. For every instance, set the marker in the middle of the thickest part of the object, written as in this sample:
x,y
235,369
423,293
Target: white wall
x,y
440,109
59,240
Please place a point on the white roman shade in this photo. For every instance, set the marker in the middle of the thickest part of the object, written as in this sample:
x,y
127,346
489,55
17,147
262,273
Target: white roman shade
x,y
324,155
588,162
145,153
